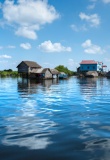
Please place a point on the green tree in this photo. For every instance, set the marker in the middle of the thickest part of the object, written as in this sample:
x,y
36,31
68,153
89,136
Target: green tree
x,y
64,69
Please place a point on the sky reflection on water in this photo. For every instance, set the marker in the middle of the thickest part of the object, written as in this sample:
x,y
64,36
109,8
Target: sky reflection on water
x,y
69,118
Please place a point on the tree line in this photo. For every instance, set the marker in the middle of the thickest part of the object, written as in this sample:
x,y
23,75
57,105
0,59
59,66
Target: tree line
x,y
60,68
64,69
9,72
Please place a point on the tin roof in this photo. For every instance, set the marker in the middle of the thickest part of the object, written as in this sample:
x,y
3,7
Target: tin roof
x,y
88,62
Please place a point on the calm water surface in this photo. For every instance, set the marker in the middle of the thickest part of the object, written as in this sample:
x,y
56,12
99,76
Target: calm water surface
x,y
64,120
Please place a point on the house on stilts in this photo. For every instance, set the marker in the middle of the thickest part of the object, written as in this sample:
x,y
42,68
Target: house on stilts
x,y
30,69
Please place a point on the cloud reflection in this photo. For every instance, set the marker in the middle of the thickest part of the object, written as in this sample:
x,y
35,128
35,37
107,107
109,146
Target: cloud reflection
x,y
30,129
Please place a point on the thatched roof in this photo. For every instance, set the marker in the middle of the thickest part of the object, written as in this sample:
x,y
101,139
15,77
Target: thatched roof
x,y
45,69
39,70
54,71
30,64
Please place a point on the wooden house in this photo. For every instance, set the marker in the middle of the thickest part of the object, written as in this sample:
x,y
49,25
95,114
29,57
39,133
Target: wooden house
x,y
32,69
55,73
46,73
28,66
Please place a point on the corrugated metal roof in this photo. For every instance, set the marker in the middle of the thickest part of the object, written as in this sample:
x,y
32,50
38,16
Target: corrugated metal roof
x,y
88,62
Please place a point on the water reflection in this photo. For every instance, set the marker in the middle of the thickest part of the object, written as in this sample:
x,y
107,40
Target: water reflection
x,y
65,119
88,85
29,129
30,126
29,86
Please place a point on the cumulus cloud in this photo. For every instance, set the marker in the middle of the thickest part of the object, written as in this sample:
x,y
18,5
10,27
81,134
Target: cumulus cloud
x,y
48,46
5,56
26,32
27,16
26,46
91,48
106,1
92,19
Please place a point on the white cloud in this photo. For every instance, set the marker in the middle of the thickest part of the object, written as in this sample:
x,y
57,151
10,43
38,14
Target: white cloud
x,y
91,48
5,56
106,1
26,32
28,16
87,43
92,19
25,46
48,46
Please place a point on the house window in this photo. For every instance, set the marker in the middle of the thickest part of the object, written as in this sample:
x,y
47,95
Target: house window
x,y
93,67
88,67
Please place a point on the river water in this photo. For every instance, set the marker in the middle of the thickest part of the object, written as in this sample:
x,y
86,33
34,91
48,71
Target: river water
x,y
55,120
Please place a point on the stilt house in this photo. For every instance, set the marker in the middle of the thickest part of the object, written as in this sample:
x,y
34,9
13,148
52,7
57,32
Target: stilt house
x,y
32,69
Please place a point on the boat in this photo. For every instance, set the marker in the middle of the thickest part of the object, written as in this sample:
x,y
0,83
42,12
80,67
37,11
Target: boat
x,y
63,75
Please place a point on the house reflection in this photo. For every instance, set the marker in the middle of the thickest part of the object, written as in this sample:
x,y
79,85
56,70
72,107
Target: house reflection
x,y
26,86
87,83
47,83
31,86
88,87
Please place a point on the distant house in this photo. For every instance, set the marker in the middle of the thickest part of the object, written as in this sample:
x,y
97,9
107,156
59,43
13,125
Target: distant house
x,y
34,70
90,65
28,67
55,73
46,73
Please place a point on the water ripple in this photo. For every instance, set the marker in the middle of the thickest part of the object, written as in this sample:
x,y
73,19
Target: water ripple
x,y
66,119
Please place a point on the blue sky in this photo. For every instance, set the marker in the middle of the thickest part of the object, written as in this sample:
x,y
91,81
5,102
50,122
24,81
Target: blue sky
x,y
53,32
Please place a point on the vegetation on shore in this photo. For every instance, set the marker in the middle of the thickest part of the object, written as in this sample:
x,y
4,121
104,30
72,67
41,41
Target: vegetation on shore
x,y
9,73
64,69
